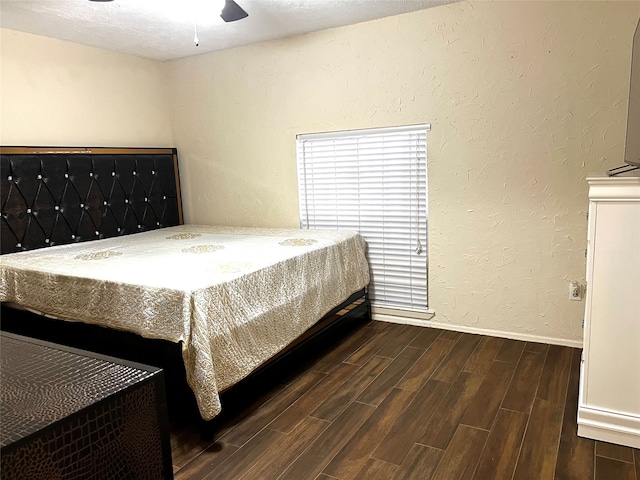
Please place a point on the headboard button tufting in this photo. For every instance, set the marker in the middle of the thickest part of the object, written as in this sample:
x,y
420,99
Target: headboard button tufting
x,y
46,195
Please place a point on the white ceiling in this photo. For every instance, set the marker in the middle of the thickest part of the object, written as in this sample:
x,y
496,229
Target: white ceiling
x,y
141,28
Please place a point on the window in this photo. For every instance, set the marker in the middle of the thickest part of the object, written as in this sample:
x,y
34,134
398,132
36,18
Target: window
x,y
373,181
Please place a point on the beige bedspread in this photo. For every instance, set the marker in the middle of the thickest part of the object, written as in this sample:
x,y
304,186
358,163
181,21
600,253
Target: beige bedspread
x,y
233,296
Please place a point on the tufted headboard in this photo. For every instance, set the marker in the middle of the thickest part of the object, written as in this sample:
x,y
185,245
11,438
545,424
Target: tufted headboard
x,y
58,195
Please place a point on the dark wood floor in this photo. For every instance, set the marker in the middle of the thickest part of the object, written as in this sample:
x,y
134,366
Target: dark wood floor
x,y
401,402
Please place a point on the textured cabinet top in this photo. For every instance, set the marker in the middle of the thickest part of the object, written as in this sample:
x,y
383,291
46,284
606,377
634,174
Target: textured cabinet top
x,y
43,383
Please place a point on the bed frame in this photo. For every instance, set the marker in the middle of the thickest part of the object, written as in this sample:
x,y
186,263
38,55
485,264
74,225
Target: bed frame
x,y
60,195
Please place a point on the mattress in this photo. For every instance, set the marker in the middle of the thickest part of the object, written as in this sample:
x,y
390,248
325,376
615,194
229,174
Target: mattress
x,y
234,297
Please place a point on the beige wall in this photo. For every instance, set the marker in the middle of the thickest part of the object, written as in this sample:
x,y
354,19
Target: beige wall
x,y
525,100
60,93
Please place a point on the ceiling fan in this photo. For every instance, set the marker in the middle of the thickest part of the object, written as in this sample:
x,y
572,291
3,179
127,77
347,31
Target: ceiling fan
x,y
231,11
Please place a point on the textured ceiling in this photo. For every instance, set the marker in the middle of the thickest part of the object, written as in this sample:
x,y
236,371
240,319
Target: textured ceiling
x,y
141,28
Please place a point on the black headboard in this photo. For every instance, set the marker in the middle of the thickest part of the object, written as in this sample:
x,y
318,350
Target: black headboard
x,y
58,195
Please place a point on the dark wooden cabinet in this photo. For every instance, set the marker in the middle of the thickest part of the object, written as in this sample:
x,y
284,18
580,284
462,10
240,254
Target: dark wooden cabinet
x,y
71,414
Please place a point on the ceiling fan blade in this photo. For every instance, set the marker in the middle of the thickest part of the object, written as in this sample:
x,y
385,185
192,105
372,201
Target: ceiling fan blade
x,y
232,11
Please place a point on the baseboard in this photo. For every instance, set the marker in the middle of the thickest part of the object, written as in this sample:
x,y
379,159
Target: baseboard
x,y
608,426
478,331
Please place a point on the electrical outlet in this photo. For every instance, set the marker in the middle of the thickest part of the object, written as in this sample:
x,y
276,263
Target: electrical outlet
x,y
575,291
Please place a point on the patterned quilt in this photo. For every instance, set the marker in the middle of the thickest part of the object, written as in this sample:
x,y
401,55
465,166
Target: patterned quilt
x,y
234,297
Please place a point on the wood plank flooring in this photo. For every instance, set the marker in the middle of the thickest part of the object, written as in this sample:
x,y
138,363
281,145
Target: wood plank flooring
x,y
387,401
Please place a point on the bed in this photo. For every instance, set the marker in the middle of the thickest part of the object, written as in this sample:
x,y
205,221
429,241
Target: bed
x,y
94,237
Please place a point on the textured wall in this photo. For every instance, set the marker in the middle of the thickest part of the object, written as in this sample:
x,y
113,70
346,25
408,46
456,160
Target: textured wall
x,y
61,93
525,100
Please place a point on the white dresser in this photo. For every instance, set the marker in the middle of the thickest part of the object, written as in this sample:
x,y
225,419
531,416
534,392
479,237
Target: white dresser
x,y
609,402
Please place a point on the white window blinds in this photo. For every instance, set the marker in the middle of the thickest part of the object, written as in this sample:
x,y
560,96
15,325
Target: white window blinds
x,y
373,181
